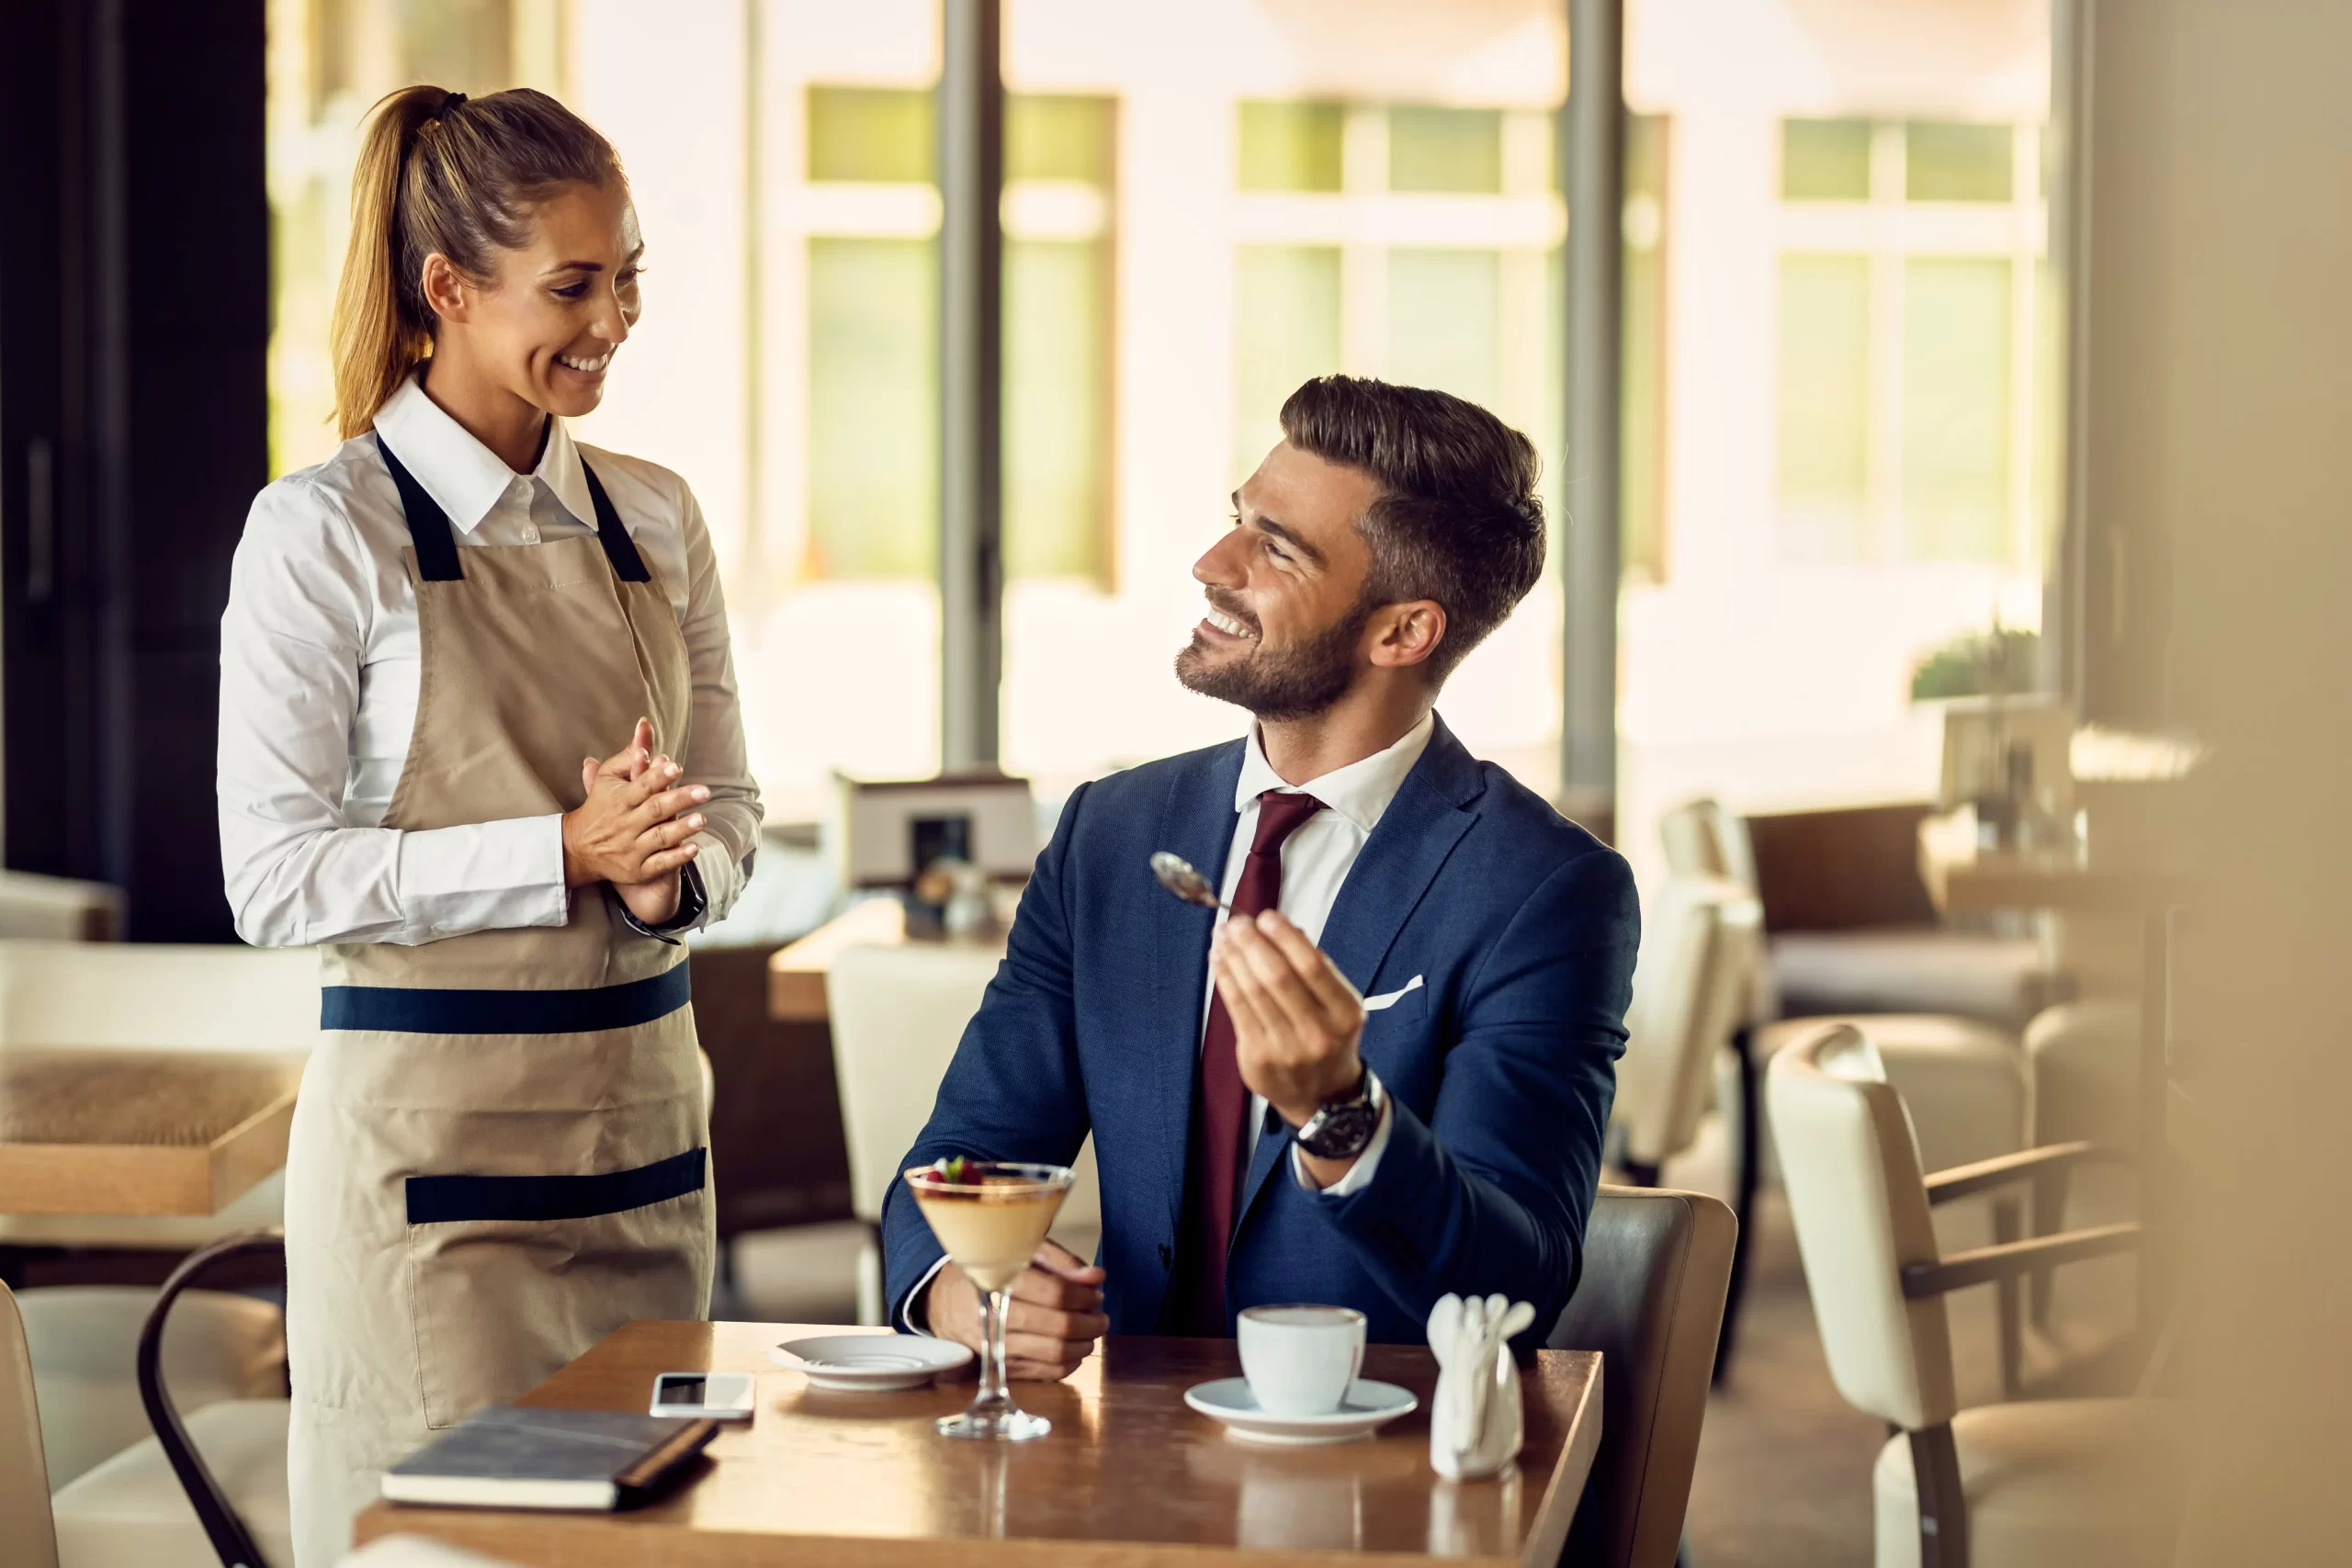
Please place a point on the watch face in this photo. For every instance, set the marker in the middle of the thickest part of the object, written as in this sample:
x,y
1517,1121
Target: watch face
x,y
1337,1132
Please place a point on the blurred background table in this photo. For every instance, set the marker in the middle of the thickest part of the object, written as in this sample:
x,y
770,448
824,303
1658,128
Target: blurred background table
x,y
796,971
1964,879
139,1133
1129,1476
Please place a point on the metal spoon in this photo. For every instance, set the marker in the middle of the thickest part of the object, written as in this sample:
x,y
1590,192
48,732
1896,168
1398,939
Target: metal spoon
x,y
1176,876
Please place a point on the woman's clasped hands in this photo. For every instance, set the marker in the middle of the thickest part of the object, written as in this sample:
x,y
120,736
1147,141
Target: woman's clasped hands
x,y
635,828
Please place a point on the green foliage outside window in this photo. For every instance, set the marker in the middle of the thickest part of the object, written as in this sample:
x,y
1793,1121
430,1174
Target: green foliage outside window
x,y
1291,146
1286,318
1060,137
874,349
1824,433
873,408
2001,662
1445,321
1955,408
881,134
1445,150
1825,160
1949,160
1641,438
1056,408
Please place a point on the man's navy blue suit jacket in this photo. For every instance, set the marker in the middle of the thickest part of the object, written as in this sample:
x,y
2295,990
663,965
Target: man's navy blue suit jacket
x,y
1501,1065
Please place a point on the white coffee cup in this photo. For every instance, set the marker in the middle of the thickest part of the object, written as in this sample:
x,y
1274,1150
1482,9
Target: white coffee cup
x,y
1299,1359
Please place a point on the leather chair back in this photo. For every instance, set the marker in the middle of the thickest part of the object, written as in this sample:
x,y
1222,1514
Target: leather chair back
x,y
1701,940
1851,1169
24,1471
1651,1300
1705,839
898,1014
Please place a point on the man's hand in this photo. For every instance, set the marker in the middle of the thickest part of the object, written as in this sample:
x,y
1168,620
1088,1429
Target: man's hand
x,y
633,827
1296,1022
1050,1326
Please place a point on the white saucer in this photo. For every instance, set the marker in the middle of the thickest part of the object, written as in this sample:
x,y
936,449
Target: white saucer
x,y
1368,1405
870,1363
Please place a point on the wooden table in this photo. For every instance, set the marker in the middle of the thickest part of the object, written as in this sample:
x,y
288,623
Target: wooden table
x,y
139,1133
1129,1477
797,971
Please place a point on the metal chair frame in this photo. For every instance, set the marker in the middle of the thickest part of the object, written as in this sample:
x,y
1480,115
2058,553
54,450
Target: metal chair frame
x,y
232,1540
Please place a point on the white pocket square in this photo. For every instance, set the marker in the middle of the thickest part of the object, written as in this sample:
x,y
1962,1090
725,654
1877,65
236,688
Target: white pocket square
x,y
1390,999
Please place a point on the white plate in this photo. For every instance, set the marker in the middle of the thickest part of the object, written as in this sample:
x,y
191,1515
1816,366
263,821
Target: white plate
x,y
1368,1405
870,1363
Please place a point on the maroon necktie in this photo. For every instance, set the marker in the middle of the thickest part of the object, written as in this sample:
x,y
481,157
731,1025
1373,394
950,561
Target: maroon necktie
x,y
1221,1109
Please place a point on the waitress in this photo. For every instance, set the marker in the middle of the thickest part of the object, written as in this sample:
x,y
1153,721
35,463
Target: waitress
x,y
480,743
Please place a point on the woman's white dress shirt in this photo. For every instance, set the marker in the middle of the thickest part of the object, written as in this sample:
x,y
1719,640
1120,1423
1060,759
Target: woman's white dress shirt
x,y
319,668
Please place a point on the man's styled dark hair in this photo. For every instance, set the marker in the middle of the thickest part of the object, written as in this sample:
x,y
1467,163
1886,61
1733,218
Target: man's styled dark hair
x,y
1457,519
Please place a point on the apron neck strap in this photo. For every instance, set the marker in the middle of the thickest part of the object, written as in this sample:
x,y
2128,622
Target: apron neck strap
x,y
428,525
619,548
436,546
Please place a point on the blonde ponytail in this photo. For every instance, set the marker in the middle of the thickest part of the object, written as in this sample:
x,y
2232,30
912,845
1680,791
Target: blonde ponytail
x,y
438,171
374,341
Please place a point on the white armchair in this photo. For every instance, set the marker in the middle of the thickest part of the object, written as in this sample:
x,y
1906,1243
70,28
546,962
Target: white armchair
x,y
897,1013
1700,948
2021,1484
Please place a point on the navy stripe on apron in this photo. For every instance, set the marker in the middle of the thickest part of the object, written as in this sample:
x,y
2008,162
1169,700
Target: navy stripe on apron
x,y
406,1011
438,1200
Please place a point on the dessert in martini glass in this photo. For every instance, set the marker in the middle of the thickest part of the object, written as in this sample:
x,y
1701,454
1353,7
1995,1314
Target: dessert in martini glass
x,y
990,1217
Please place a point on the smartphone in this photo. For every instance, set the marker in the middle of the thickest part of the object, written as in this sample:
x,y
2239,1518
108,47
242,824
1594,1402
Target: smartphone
x,y
723,1396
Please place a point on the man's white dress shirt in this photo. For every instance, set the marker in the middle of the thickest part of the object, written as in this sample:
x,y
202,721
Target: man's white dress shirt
x,y
318,670
1317,858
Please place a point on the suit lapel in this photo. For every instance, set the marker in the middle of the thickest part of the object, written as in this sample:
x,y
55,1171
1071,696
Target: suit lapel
x,y
1196,823
1395,870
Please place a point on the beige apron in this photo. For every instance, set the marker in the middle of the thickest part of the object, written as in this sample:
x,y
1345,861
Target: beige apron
x,y
500,1152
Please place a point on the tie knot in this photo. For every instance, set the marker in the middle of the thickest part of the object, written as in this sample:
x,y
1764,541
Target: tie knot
x,y
1280,812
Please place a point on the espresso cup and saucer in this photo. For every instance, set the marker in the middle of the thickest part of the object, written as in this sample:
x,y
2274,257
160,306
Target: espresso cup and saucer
x,y
1299,1382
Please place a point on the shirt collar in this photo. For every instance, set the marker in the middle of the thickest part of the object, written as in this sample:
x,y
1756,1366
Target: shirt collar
x,y
465,477
1360,791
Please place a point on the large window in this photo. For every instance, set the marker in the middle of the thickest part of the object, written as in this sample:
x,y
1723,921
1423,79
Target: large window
x,y
1839,441
873,335
1908,402
1856,456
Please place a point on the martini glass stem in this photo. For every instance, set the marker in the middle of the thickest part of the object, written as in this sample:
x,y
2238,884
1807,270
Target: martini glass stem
x,y
994,1396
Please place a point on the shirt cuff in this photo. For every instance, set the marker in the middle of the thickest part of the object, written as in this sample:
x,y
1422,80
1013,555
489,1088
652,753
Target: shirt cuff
x,y
692,905
722,874
907,1323
1360,1174
482,876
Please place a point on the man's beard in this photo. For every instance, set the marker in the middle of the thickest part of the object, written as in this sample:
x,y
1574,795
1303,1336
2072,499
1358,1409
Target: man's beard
x,y
1297,683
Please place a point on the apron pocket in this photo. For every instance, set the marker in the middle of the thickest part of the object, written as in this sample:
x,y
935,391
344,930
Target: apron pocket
x,y
513,1275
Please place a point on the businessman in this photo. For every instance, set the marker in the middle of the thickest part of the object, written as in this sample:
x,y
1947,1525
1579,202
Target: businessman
x,y
1386,1074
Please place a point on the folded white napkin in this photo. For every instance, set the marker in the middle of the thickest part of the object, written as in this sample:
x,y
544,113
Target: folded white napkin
x,y
1476,1424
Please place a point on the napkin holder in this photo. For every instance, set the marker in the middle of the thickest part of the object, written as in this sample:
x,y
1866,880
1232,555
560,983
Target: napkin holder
x,y
1477,1420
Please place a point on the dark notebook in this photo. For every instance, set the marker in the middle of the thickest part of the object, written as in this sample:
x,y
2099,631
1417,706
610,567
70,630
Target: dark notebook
x,y
509,1458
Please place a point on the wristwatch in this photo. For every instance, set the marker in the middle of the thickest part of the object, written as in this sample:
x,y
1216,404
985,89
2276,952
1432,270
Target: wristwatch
x,y
1342,1127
